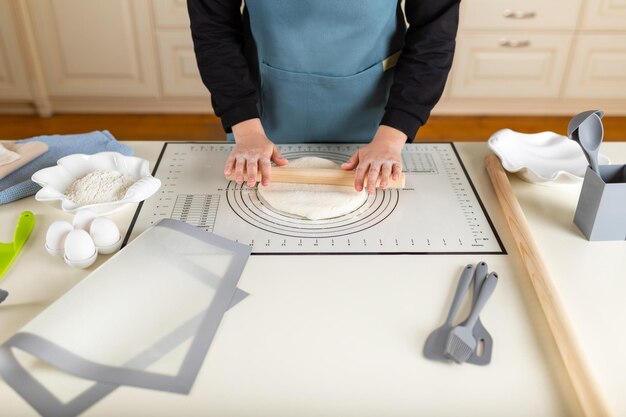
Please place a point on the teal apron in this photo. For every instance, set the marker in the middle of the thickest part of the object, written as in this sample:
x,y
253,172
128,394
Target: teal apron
x,y
324,66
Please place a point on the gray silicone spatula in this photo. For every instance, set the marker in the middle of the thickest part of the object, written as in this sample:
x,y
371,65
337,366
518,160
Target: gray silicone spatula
x,y
484,341
3,295
435,345
586,129
461,341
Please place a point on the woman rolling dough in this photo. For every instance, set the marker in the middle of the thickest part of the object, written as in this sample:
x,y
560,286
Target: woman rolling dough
x,y
294,71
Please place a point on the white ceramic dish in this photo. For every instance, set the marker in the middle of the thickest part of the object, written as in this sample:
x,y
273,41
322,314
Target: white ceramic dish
x,y
55,180
545,158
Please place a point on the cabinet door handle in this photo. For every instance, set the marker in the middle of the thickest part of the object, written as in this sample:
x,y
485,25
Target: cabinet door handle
x,y
513,43
519,14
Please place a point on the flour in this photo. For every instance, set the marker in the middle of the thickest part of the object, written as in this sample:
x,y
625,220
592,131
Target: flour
x,y
99,187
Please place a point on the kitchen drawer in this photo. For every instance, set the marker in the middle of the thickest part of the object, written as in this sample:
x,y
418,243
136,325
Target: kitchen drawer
x,y
179,72
604,15
520,14
171,13
504,65
598,69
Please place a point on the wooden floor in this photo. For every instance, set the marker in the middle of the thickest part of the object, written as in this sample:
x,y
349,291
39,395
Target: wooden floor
x,y
206,127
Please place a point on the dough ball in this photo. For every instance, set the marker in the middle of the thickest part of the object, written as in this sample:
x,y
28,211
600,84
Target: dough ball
x,y
312,201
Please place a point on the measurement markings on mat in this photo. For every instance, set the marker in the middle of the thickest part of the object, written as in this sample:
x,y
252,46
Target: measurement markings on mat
x,y
418,162
438,212
197,209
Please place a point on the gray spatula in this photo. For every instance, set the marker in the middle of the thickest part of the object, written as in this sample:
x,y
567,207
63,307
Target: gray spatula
x,y
461,341
435,345
480,356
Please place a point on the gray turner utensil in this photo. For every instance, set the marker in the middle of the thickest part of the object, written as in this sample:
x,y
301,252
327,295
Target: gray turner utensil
x,y
3,295
586,129
435,345
461,341
480,356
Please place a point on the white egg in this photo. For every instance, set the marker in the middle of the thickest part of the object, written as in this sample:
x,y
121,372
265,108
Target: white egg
x,y
56,234
83,219
104,232
79,246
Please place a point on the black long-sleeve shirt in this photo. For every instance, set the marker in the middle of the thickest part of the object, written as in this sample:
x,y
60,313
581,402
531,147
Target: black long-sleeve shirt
x,y
227,61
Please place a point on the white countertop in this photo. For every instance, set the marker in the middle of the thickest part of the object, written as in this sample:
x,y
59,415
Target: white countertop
x,y
342,335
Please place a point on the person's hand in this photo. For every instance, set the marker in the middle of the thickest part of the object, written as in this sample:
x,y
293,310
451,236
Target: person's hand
x,y
380,158
253,152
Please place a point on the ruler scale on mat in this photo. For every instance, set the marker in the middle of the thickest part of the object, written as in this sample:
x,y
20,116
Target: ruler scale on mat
x,y
438,212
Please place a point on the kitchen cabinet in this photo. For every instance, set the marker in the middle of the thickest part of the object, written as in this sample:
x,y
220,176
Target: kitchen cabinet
x,y
96,48
179,72
171,14
604,15
520,14
13,79
598,67
500,64
513,57
538,57
117,56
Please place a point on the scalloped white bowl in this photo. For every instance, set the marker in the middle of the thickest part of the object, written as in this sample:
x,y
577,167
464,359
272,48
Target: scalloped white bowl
x,y
545,158
55,180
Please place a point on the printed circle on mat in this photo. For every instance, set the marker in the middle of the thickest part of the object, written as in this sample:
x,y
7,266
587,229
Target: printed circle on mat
x,y
248,206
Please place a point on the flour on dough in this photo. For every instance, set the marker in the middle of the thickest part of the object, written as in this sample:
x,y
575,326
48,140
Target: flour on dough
x,y
312,201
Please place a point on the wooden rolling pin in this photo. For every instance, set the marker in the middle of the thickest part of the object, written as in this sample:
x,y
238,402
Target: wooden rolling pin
x,y
327,176
586,389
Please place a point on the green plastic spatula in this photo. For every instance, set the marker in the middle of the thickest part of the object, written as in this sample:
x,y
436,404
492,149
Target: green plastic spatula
x,y
8,251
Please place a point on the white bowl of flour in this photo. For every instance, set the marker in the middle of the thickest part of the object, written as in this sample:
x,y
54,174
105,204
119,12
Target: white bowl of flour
x,y
102,182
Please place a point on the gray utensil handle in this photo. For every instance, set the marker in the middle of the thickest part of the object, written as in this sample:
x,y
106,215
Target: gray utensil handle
x,y
576,138
480,274
464,282
593,160
485,292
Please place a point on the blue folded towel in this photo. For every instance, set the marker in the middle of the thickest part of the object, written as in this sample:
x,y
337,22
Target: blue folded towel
x,y
18,184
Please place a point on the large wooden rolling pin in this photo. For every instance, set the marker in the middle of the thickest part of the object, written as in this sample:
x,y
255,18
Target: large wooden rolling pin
x,y
588,394
327,176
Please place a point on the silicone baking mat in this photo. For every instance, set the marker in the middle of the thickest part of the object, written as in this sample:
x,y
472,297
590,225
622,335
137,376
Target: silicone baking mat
x,y
438,212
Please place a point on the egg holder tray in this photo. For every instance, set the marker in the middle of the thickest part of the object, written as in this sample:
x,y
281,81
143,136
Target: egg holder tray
x,y
82,221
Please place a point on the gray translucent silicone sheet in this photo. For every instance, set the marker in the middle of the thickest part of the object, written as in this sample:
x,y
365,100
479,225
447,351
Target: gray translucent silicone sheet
x,y
146,318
